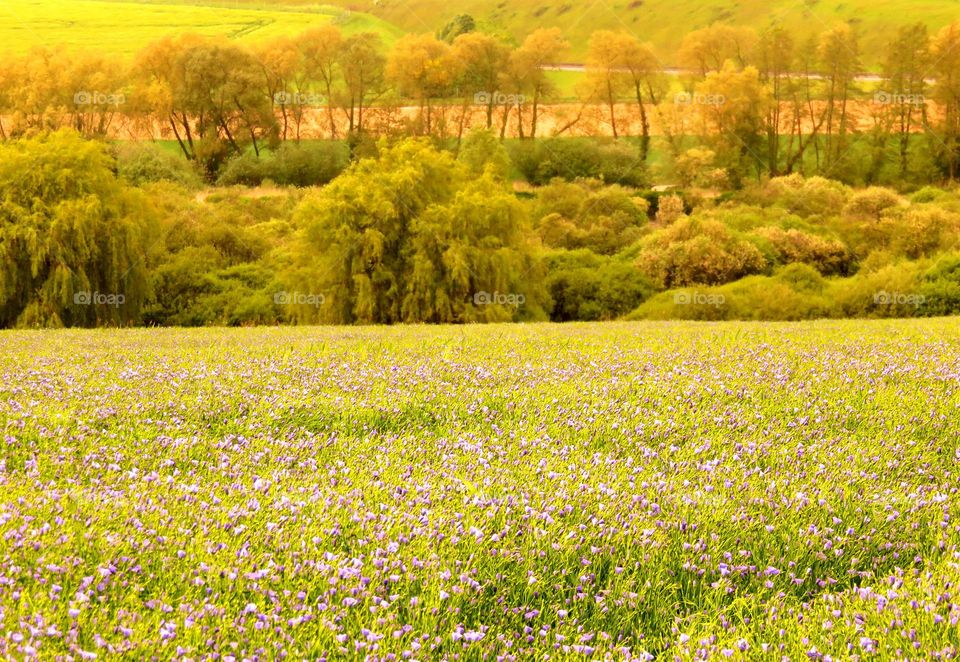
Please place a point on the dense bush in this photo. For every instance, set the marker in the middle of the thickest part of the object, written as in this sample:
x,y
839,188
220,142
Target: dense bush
x,y
698,250
829,257
814,196
794,292
614,162
923,231
940,286
142,163
871,203
669,209
292,164
586,286
586,214
217,265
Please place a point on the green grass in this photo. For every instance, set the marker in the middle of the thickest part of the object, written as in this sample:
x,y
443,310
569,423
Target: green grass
x,y
665,22
124,28
566,83
757,490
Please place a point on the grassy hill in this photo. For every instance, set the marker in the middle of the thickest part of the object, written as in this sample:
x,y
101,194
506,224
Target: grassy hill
x,y
124,28
664,22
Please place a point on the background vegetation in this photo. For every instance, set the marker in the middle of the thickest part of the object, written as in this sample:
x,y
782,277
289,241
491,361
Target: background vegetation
x,y
417,233
349,174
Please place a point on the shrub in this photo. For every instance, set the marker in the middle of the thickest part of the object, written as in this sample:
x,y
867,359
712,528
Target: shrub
x,y
922,231
304,164
142,163
940,287
695,167
870,203
795,292
585,286
615,162
863,295
928,194
669,209
586,214
829,257
698,250
814,196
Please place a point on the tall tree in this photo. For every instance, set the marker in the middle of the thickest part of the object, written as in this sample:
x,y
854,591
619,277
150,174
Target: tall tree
x,y
709,48
946,68
646,75
72,238
362,66
735,106
210,91
905,72
775,59
541,48
324,51
606,79
281,63
423,68
483,59
616,63
839,54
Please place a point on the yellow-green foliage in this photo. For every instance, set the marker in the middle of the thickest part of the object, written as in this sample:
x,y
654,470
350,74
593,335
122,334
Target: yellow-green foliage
x,y
70,234
587,214
698,250
415,236
813,196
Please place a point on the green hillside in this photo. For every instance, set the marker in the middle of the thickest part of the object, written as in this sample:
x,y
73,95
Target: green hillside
x,y
664,22
125,27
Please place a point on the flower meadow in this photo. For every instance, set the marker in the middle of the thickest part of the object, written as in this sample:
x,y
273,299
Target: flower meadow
x,y
612,491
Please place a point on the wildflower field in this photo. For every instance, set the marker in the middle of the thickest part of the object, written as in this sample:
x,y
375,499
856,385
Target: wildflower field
x,y
615,491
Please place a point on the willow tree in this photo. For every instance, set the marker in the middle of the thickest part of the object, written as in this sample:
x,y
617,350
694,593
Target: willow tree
x,y
415,236
72,238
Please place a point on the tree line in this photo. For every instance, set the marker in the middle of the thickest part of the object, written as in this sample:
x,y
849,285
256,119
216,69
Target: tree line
x,y
762,102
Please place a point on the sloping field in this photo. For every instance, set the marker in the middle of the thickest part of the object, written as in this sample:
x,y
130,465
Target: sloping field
x,y
665,22
124,28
